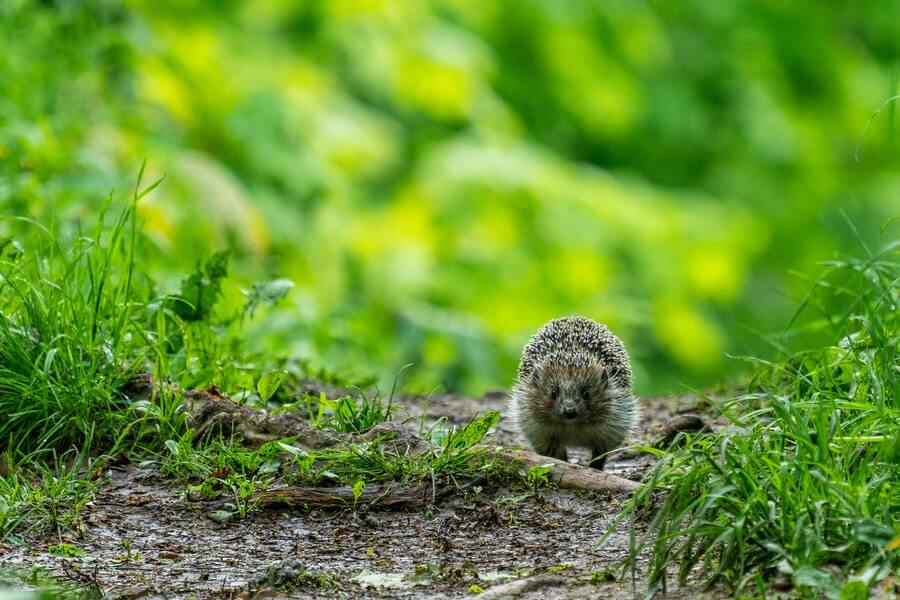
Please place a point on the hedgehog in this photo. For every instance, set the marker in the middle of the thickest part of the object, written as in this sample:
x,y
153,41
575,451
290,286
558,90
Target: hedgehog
x,y
574,390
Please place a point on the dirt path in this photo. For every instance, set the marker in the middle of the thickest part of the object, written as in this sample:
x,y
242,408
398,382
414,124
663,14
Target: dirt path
x,y
141,539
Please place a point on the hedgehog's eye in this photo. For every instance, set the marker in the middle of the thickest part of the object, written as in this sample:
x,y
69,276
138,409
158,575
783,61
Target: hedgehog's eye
x,y
554,393
586,394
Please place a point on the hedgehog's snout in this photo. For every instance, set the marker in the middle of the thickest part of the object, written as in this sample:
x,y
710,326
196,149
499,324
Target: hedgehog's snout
x,y
569,406
568,411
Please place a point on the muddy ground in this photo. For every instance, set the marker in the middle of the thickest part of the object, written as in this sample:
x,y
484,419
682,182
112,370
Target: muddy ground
x,y
142,539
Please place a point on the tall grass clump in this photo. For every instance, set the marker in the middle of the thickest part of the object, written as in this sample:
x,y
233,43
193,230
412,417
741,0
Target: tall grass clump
x,y
71,333
804,482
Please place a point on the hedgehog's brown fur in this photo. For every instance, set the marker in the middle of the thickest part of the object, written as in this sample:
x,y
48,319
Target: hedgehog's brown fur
x,y
574,389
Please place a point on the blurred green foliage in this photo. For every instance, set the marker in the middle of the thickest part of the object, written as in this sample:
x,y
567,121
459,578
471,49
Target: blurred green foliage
x,y
440,177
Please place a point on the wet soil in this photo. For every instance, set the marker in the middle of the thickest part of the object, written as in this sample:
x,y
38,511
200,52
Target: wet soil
x,y
143,539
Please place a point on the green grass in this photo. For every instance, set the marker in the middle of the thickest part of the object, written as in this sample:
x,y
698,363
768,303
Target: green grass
x,y
71,334
78,322
42,494
345,413
804,482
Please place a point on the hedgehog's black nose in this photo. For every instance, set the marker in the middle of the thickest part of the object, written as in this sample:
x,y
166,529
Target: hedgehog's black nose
x,y
569,412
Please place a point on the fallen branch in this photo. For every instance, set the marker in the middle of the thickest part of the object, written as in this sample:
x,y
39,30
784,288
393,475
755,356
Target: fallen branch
x,y
569,476
391,495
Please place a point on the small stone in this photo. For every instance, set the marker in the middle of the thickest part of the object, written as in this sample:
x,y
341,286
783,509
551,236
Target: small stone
x,y
782,584
221,516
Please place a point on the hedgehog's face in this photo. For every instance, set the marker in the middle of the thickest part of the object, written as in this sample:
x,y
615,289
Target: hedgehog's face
x,y
569,393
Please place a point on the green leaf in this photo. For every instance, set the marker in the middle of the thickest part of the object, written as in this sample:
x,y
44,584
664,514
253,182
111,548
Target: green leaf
x,y
472,433
873,532
270,466
292,449
269,383
814,578
270,292
854,590
221,516
602,576
358,488
64,549
202,290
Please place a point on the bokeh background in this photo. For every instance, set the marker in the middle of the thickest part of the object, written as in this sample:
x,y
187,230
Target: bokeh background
x,y
441,177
